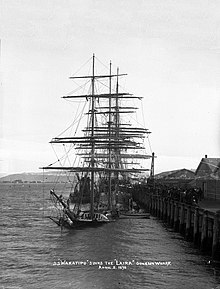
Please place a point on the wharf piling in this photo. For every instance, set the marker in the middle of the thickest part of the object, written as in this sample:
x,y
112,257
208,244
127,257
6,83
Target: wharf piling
x,y
200,226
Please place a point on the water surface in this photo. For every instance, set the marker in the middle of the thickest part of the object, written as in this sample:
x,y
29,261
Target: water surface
x,y
32,247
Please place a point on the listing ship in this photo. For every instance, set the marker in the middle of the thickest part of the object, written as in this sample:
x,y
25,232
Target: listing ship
x,y
105,157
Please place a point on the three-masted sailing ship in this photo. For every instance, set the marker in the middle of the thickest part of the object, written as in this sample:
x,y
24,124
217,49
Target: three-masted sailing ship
x,y
108,151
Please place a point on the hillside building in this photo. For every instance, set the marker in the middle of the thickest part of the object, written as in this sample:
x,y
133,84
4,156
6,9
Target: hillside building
x,y
207,177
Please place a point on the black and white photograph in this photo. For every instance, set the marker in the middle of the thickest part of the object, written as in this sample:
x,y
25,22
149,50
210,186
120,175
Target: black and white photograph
x,y
109,144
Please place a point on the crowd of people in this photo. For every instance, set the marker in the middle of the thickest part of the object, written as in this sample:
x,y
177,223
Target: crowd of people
x,y
188,196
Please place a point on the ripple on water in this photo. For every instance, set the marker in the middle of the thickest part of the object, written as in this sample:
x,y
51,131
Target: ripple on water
x,y
30,244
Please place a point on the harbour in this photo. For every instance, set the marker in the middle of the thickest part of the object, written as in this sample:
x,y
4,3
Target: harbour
x,y
106,219
153,255
109,155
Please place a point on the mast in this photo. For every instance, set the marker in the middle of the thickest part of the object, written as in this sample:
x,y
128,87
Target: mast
x,y
109,148
152,170
92,139
109,144
117,136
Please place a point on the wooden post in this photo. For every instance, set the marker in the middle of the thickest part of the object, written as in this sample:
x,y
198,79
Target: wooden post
x,y
215,242
182,219
156,213
165,209
159,207
188,223
204,235
172,214
152,205
168,211
176,216
155,206
196,226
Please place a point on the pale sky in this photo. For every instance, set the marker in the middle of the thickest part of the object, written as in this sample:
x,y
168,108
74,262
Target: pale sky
x,y
170,50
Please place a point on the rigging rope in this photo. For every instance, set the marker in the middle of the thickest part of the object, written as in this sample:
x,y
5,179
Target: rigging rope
x,y
89,60
43,196
142,108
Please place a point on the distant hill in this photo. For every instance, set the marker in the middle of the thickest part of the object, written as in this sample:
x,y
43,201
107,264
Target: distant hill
x,y
47,177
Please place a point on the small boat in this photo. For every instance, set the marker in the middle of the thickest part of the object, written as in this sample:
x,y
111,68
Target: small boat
x,y
134,215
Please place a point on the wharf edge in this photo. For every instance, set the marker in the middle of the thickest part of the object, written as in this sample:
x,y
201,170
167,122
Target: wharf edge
x,y
198,225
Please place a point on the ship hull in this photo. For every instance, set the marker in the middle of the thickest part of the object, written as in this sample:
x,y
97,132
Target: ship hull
x,y
78,223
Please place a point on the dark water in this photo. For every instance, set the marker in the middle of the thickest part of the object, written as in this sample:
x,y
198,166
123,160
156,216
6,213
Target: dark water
x,y
31,247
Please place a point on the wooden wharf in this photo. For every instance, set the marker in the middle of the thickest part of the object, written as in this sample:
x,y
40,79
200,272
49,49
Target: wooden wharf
x,y
200,226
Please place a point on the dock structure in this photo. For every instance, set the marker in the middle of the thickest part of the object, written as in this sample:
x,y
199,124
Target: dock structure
x,y
200,226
